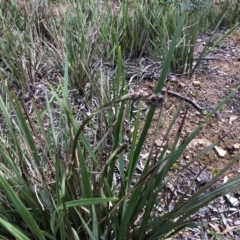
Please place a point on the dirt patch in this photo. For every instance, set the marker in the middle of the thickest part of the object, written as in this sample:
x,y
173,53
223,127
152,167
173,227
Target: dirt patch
x,y
213,81
217,76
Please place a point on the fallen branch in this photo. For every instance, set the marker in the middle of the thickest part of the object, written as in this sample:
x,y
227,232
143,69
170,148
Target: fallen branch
x,y
194,104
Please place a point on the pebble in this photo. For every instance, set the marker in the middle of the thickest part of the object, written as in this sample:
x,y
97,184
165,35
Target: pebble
x,y
181,85
236,146
221,152
197,83
173,79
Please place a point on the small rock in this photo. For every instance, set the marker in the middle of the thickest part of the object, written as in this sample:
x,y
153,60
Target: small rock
x,y
209,168
236,145
158,142
230,175
221,152
197,83
232,200
181,85
173,79
201,142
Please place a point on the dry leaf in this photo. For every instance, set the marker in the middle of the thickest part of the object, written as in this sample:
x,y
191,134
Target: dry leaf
x,y
215,227
228,229
232,118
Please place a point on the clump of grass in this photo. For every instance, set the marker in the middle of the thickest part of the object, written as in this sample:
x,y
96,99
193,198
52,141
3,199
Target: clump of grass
x,y
226,11
184,53
58,162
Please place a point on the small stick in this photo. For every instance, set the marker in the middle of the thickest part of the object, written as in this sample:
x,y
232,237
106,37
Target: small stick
x,y
194,104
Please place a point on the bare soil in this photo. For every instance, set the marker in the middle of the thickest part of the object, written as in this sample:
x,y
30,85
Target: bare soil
x,y
217,76
210,84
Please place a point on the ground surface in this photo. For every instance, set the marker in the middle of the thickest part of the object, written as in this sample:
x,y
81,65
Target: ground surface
x,y
210,84
216,77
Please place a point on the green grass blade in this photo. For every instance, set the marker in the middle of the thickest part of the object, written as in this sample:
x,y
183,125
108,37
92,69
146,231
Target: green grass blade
x,y
20,208
14,231
159,86
86,202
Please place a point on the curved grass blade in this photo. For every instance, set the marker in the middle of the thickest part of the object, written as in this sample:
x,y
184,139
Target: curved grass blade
x,y
20,208
14,231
